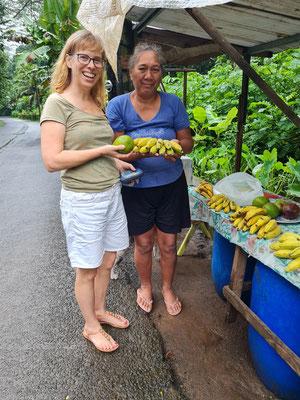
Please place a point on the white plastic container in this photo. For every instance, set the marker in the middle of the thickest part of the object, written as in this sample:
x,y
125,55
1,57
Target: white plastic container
x,y
188,169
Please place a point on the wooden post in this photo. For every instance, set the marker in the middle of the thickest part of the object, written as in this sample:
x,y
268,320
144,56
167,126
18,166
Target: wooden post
x,y
239,60
241,118
184,88
236,280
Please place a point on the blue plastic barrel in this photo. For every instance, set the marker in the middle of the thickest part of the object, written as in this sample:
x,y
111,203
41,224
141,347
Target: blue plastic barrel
x,y
277,303
221,265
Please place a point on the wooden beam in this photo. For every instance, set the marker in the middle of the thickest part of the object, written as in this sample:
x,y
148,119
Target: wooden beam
x,y
241,118
236,280
239,60
274,44
278,345
177,54
147,18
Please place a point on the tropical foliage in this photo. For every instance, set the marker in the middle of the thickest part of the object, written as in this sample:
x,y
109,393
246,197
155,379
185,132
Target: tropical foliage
x,y
271,141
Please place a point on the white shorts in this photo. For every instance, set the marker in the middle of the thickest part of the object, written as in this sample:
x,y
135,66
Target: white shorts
x,y
94,223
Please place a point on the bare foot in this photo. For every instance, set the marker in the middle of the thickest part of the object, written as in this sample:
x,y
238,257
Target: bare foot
x,y
112,319
144,298
172,303
101,340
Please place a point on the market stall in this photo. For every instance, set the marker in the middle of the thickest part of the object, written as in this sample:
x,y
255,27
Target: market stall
x,y
274,311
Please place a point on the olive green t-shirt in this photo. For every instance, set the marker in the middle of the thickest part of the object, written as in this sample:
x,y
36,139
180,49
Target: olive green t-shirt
x,y
83,131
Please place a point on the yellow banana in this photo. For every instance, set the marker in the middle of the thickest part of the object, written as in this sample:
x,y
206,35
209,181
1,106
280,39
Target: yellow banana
x,y
237,221
219,207
253,229
153,149
289,235
227,209
204,194
232,205
167,144
212,205
151,142
263,220
219,201
216,197
162,150
176,147
283,253
136,149
261,232
159,143
226,202
143,141
289,244
293,265
253,220
270,225
241,224
275,246
136,140
295,253
255,211
245,227
242,211
144,149
272,234
170,152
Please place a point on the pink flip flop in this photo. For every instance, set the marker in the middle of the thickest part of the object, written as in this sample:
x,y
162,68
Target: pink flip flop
x,y
170,307
141,298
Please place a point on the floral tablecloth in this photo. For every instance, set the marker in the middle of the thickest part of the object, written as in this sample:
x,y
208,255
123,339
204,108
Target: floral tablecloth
x,y
257,248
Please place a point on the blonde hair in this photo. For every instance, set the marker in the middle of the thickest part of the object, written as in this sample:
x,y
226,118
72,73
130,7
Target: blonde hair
x,y
61,76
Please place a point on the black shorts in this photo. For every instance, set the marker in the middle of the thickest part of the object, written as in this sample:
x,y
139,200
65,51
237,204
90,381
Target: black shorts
x,y
166,207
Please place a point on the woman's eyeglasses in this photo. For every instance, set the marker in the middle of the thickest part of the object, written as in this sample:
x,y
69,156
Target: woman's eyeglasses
x,y
85,59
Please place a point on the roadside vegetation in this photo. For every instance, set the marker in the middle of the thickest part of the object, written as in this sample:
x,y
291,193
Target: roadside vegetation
x,y
271,142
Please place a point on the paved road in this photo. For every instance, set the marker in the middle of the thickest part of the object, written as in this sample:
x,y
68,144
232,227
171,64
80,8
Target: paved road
x,y
43,355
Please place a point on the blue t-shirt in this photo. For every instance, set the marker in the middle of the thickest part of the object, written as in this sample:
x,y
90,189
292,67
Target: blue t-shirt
x,y
170,118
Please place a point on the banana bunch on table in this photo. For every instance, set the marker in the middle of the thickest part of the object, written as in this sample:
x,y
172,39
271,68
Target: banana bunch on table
x,y
288,246
219,202
205,189
160,146
256,220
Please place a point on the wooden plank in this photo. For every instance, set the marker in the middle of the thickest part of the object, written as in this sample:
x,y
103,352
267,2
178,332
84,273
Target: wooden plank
x,y
289,8
178,54
274,341
236,57
236,280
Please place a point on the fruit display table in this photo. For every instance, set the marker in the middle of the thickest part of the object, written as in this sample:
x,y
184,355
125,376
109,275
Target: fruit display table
x,y
274,312
257,248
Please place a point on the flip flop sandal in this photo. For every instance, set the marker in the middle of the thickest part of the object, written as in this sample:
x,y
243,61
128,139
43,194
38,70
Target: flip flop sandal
x,y
142,298
170,307
125,323
107,337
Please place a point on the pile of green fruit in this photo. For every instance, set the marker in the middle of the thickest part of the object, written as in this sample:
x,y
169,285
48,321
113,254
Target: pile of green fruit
x,y
156,146
279,207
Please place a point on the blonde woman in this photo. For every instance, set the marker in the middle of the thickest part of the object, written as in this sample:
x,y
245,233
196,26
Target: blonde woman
x,y
76,139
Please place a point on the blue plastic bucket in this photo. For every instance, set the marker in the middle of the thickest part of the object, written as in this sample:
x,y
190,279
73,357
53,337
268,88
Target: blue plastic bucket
x,y
277,303
221,265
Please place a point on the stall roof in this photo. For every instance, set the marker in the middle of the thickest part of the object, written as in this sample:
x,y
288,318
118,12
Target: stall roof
x,y
262,27
259,26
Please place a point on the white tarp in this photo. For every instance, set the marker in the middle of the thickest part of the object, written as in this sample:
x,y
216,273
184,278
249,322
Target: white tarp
x,y
105,18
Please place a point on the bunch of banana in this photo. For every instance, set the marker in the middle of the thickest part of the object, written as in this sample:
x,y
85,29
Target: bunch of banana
x,y
153,146
205,189
219,202
255,220
288,246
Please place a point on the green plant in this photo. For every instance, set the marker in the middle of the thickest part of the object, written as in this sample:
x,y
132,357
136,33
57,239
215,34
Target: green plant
x,y
273,174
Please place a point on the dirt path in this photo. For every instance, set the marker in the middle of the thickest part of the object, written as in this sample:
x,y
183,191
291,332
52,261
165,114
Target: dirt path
x,y
210,358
